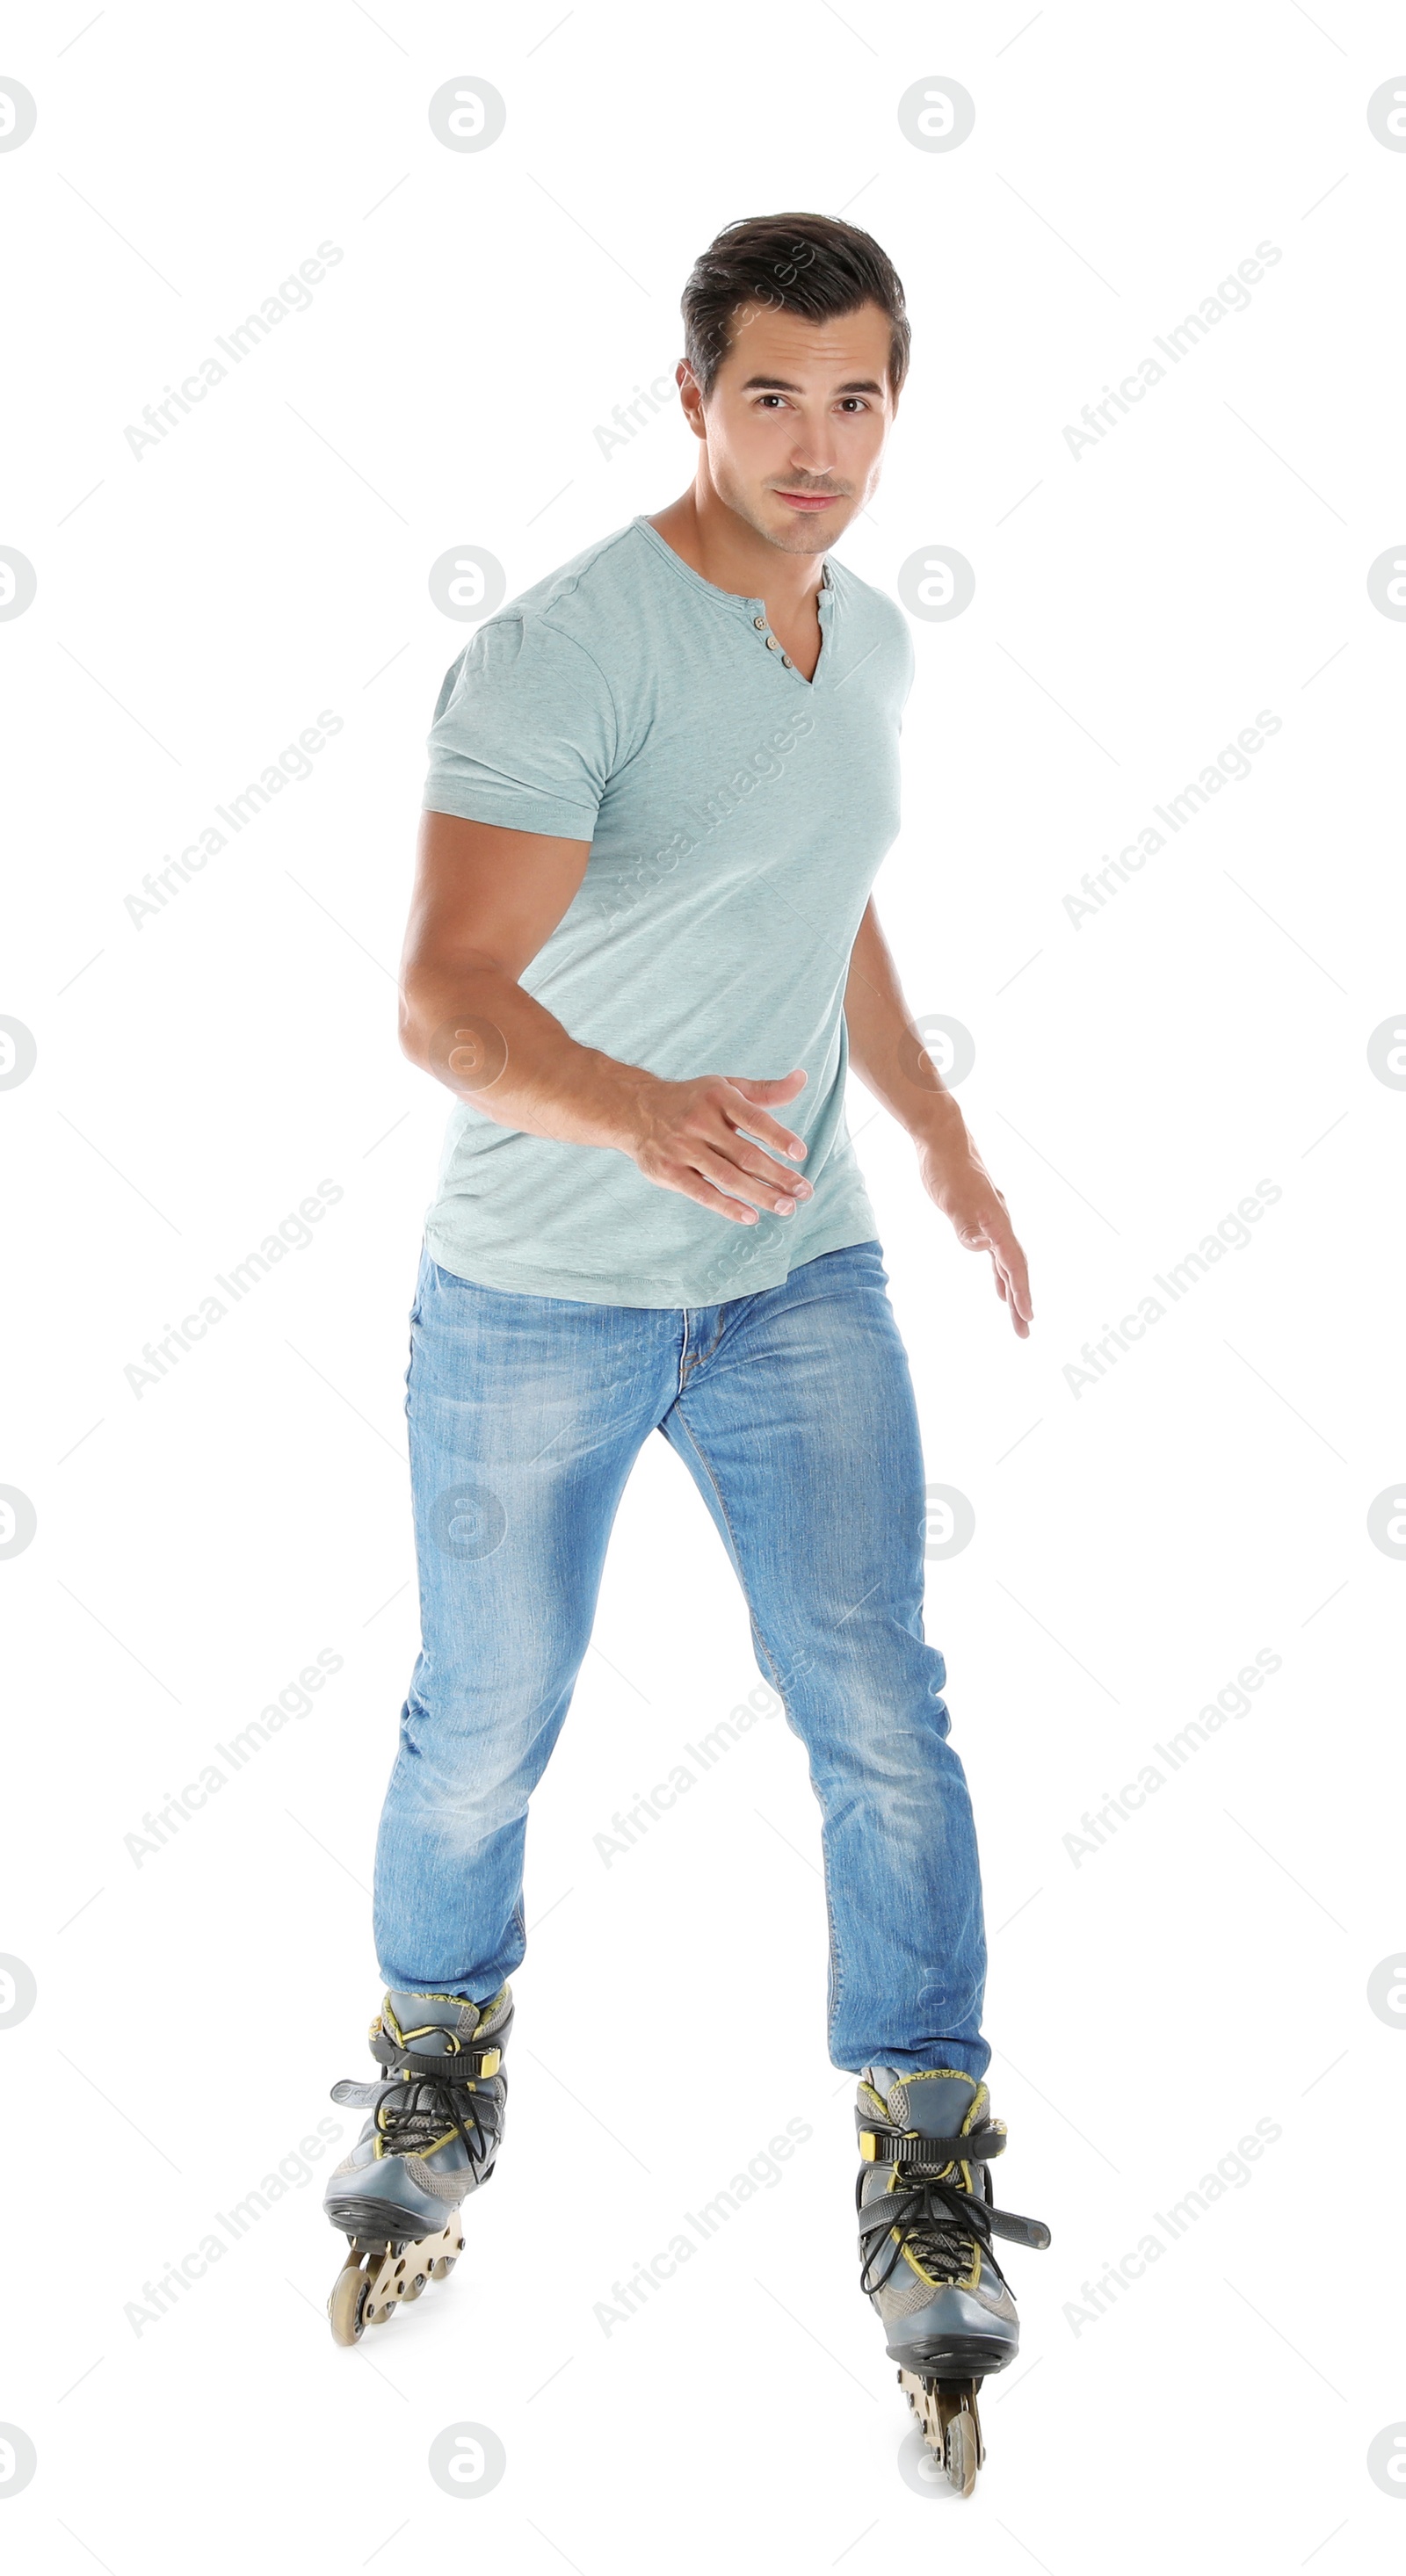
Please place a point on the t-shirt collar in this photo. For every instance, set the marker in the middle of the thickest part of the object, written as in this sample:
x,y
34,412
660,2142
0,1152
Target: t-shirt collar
x,y
730,599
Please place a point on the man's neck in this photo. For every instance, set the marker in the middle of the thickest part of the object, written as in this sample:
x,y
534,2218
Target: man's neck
x,y
720,546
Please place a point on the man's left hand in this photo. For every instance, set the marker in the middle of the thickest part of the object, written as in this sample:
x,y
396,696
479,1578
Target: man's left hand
x,y
964,1190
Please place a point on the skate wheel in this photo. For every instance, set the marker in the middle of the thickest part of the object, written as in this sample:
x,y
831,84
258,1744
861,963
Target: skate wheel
x,y
951,2427
347,2305
442,2266
413,2288
961,2453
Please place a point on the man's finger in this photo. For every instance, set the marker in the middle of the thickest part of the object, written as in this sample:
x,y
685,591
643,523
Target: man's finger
x,y
771,1089
1009,1259
756,1121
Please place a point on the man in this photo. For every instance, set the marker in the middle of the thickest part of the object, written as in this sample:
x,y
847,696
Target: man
x,y
641,954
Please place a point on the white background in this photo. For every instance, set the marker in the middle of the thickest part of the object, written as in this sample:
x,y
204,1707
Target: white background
x,y
1135,1545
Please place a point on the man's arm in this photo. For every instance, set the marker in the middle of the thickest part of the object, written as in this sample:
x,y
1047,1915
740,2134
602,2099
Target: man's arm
x,y
888,1055
485,900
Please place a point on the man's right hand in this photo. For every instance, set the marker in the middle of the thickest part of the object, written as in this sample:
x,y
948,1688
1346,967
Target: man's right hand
x,y
486,900
687,1136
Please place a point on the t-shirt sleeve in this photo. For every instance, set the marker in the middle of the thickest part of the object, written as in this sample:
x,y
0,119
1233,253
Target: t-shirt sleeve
x,y
524,733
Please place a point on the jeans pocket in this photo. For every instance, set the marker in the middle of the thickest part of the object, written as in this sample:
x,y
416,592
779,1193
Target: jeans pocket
x,y
416,1308
410,1362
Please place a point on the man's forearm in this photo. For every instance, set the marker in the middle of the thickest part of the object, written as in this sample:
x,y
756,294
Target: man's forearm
x,y
476,1030
887,1052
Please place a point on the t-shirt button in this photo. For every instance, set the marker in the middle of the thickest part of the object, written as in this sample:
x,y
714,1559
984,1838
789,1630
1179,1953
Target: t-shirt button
x,y
786,658
771,644
760,621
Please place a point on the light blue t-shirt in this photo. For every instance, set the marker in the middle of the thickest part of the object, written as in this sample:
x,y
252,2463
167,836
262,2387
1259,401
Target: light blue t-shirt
x,y
737,814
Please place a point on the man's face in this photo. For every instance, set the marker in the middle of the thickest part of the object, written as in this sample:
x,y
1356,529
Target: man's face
x,y
796,422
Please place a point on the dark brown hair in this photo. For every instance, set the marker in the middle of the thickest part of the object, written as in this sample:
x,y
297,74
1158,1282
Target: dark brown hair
x,y
813,265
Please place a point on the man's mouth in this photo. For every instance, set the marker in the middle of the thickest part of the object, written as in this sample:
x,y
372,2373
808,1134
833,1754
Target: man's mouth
x,y
810,500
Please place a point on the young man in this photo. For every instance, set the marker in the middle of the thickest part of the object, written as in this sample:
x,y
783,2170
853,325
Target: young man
x,y
642,954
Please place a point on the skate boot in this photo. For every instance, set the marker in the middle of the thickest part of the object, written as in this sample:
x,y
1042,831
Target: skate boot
x,y
927,2215
436,2121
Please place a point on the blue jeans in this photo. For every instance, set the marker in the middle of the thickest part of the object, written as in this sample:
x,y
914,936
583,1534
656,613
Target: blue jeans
x,y
793,1413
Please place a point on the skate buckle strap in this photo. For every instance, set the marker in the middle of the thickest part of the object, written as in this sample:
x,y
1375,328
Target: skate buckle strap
x,y
454,2066
914,2153
369,2097
952,2207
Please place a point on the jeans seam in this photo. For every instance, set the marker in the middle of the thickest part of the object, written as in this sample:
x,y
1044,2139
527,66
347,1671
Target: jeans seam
x,y
687,1365
717,1337
836,1963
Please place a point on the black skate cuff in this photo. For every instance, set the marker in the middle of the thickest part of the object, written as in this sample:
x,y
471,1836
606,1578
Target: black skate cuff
x,y
881,2144
459,2066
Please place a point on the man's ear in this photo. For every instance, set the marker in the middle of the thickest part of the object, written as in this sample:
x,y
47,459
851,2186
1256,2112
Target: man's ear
x,y
692,398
